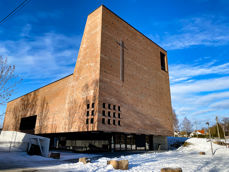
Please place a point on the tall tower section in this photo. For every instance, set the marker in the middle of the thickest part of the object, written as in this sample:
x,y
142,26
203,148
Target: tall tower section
x,y
84,92
134,91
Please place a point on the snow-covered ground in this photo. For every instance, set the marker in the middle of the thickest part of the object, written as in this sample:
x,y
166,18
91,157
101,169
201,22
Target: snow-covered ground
x,y
188,158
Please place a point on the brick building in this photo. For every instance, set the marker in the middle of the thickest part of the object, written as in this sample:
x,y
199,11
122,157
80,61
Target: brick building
x,y
118,97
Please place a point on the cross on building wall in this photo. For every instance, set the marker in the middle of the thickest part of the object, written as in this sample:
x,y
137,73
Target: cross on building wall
x,y
122,47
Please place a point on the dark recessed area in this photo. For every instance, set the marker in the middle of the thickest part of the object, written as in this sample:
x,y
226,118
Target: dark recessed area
x,y
28,123
163,61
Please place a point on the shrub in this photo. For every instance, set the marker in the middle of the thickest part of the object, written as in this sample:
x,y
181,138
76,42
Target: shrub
x,y
186,144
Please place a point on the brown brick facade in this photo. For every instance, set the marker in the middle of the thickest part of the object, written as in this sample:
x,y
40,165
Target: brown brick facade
x,y
130,83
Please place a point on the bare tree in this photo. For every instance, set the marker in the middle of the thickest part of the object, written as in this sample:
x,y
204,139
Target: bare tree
x,y
225,124
44,106
8,80
186,125
175,121
72,111
25,107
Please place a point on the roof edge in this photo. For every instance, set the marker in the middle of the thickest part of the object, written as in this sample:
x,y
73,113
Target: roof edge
x,y
41,87
129,25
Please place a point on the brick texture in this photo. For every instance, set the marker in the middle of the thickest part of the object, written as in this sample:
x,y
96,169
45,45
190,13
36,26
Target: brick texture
x,y
143,96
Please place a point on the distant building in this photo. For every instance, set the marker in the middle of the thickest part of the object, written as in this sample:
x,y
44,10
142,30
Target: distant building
x,y
197,133
118,97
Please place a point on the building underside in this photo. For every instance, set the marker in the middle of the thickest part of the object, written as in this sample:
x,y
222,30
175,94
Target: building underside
x,y
105,142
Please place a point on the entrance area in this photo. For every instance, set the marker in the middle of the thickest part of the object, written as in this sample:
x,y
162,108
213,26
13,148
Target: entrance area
x,y
106,142
27,124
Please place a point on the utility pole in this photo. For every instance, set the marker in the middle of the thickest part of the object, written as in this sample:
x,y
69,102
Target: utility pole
x,y
217,125
210,137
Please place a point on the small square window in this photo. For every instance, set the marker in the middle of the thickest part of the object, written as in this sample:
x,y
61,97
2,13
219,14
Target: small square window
x,y
119,123
113,122
109,121
109,106
104,105
92,105
88,106
103,120
87,120
119,116
114,107
109,113
104,113
114,114
92,113
119,108
87,113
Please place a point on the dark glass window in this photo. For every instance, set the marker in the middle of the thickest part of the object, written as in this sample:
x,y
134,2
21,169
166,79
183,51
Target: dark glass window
x,y
104,105
103,120
92,112
113,122
114,107
87,113
119,116
109,106
88,106
104,113
92,120
114,114
87,121
119,108
119,123
109,113
163,62
93,105
109,121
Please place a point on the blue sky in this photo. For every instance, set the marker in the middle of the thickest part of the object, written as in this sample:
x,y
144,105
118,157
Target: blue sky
x,y
43,39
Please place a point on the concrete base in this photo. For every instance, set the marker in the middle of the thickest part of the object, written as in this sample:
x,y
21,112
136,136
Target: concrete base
x,y
160,143
11,141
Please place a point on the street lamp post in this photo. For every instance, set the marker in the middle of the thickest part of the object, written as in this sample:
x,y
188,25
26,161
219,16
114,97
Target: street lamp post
x,y
210,136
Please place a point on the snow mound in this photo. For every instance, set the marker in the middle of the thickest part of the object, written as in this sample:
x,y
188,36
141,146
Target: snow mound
x,y
187,158
202,145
